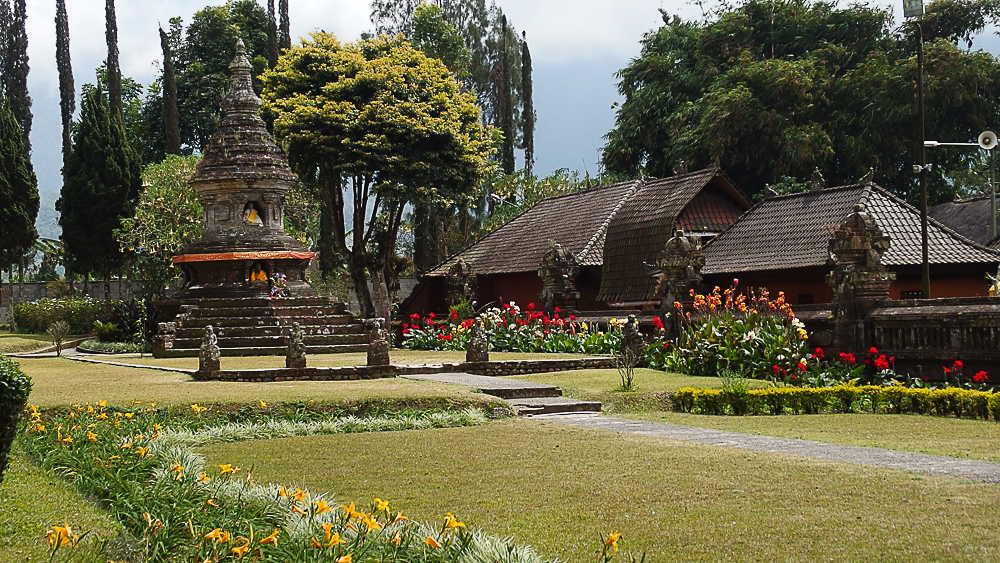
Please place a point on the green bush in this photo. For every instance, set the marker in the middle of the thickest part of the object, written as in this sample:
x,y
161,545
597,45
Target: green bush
x,y
15,386
846,397
115,347
36,316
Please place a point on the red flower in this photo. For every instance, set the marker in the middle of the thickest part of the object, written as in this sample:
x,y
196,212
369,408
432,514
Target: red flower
x,y
657,322
958,365
775,369
946,370
818,353
572,317
406,325
980,377
793,377
406,330
415,317
454,315
802,366
926,378
847,358
873,351
531,306
557,310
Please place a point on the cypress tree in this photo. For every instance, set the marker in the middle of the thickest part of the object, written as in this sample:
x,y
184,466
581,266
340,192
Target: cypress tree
x,y
67,91
5,24
272,36
527,107
114,70
18,192
171,119
101,186
504,118
15,76
284,36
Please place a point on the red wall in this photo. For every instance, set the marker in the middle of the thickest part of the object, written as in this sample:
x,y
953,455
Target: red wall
x,y
521,288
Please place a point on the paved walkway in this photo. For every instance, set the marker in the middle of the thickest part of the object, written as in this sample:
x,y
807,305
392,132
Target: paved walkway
x,y
874,457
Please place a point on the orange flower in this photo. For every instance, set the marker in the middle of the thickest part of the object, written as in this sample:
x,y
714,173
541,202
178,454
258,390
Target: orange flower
x,y
241,550
273,538
451,523
612,541
214,534
345,559
211,502
60,535
321,507
432,542
381,504
314,543
396,540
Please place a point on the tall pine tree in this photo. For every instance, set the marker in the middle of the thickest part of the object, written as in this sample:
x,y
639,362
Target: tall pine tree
x,y
101,186
15,69
171,120
67,91
284,35
272,36
114,70
18,193
527,107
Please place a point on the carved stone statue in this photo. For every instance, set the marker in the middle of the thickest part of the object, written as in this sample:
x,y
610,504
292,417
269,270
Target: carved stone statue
x,y
378,345
479,343
632,342
677,271
295,355
558,270
209,354
461,283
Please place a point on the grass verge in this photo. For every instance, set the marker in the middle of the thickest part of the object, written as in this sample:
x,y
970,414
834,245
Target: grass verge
x,y
557,488
31,501
11,343
59,381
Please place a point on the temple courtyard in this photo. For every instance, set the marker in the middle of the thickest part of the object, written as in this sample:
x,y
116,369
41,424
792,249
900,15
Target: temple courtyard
x,y
557,483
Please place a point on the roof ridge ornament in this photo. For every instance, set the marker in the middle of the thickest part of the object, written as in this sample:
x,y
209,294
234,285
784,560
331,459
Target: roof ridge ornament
x,y
868,178
817,181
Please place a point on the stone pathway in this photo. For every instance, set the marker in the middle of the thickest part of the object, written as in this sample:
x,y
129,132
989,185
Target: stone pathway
x,y
527,398
874,457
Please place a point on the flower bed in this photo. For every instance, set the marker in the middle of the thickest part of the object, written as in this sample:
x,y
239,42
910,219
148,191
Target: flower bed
x,y
139,463
511,330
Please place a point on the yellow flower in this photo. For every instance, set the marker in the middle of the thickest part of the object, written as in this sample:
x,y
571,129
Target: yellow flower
x,y
157,427
432,542
321,507
369,521
102,416
67,439
60,535
102,404
241,550
350,513
299,495
129,415
227,468
114,457
381,504
345,559
612,541
396,540
314,543
211,502
263,404
450,522
214,534
143,451
204,478
91,436
176,467
399,517
273,538
281,491
198,409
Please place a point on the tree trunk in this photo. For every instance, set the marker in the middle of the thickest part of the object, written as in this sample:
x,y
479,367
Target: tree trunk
x,y
381,294
356,267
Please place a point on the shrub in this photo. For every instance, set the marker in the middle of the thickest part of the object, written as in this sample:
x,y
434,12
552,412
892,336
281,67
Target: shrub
x,y
15,386
115,347
106,332
79,313
846,397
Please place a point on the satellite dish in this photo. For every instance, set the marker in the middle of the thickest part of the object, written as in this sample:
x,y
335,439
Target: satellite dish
x,y
988,140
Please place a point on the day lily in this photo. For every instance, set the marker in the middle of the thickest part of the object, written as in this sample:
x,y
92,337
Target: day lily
x,y
214,534
612,541
60,535
273,538
321,507
350,513
432,542
314,543
299,495
204,478
345,559
241,550
211,502
281,491
381,504
397,539
451,523
369,521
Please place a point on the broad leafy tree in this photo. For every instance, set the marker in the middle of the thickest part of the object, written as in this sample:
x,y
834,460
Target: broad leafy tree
x,y
200,56
776,89
167,217
18,193
100,187
379,125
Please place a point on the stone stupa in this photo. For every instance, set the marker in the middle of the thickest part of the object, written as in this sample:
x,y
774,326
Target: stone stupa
x,y
241,181
246,276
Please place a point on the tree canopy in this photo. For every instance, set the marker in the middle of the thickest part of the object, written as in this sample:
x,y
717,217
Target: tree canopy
x,y
379,125
771,89
101,184
18,192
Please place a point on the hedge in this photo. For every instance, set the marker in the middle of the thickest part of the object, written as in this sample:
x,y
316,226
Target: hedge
x,y
897,399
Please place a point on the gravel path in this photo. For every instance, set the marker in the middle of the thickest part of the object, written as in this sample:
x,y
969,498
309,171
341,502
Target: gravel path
x,y
875,457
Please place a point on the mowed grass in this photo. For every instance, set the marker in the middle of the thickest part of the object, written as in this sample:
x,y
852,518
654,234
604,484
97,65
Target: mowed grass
x,y
955,437
558,488
59,381
13,343
32,501
397,356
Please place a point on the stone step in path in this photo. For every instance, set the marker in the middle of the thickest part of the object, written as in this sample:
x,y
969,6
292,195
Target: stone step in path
x,y
527,398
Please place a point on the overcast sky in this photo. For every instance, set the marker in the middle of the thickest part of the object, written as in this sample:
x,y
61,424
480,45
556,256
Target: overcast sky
x,y
576,47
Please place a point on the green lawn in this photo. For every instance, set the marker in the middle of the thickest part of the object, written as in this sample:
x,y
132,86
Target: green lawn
x,y
557,488
13,343
59,381
32,501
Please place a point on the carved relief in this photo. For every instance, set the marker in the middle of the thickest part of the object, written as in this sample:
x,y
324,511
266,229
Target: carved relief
x,y
558,270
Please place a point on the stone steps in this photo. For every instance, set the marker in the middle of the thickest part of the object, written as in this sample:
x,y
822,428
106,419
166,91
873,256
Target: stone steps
x,y
525,397
265,351
530,406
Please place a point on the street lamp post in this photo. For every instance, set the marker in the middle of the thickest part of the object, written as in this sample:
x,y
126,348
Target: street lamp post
x,y
988,142
915,8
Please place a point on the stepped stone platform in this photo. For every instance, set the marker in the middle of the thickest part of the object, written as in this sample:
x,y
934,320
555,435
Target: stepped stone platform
x,y
258,326
526,397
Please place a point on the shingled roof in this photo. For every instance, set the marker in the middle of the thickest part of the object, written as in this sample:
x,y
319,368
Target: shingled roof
x,y
969,218
793,231
577,221
704,201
